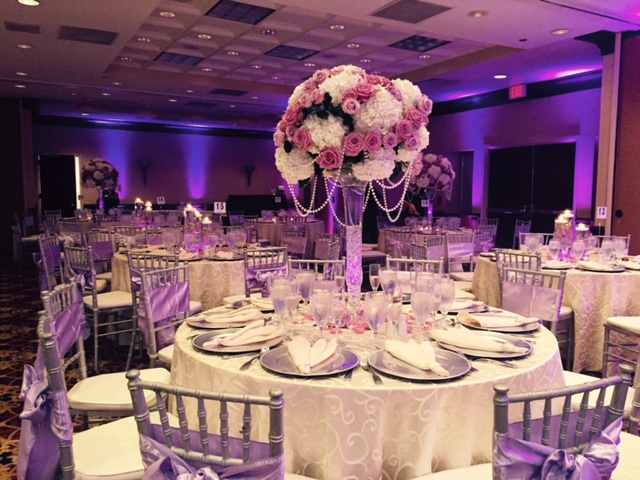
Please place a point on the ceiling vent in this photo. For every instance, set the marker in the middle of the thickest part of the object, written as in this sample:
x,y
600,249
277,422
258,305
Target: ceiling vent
x,y
178,59
22,27
239,12
410,11
87,35
418,43
228,91
200,104
435,83
292,53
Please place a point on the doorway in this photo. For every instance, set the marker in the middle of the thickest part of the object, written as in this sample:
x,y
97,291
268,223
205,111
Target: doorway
x,y
58,183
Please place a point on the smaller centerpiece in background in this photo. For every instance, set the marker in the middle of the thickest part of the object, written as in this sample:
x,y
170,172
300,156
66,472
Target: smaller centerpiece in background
x,y
101,175
431,174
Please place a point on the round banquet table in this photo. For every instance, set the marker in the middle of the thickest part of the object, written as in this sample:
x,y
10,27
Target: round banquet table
x,y
593,296
338,429
272,231
209,280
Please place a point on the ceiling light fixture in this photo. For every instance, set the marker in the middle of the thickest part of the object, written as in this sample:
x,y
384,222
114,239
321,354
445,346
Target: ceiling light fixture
x,y
105,94
500,77
167,14
29,3
117,84
353,45
125,59
365,60
478,13
189,91
560,31
256,67
24,46
20,86
204,36
233,53
254,98
309,64
268,31
336,26
84,114
206,69
423,56
22,74
173,100
144,40
275,77
232,106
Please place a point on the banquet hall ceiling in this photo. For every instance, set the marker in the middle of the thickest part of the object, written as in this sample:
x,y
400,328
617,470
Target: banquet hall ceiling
x,y
233,64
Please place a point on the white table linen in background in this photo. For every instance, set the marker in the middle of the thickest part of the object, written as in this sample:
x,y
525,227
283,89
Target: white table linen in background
x,y
209,280
273,232
339,430
593,296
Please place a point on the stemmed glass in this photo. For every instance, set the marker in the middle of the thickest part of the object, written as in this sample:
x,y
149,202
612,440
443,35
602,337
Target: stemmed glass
x,y
291,304
447,296
565,244
338,276
620,246
554,249
375,311
374,276
578,248
607,249
189,241
421,305
279,290
395,309
388,279
305,281
321,308
168,239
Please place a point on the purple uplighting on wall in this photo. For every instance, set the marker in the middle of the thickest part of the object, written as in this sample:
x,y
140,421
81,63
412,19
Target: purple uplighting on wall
x,y
116,147
197,148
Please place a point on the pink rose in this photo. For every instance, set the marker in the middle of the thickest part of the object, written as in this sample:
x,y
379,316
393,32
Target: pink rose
x,y
279,138
397,94
290,130
353,144
404,129
416,117
309,84
293,115
413,143
351,93
317,96
305,100
425,105
390,140
281,125
350,106
365,91
302,139
337,70
373,141
377,80
330,159
321,75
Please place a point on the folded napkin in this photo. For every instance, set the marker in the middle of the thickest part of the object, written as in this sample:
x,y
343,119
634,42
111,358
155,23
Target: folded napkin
x,y
494,320
420,355
590,265
241,315
224,255
262,303
460,305
464,338
306,356
557,264
187,256
255,332
629,265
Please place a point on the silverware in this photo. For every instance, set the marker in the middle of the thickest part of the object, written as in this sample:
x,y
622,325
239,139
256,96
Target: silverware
x,y
246,365
365,366
349,374
504,363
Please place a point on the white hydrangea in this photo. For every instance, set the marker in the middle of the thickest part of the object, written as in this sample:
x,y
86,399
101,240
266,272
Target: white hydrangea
x,y
294,166
423,133
406,156
324,133
296,94
380,113
411,94
378,166
338,84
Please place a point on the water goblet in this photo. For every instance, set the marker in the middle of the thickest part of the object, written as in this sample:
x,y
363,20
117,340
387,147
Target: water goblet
x,y
374,276
421,306
554,249
565,244
395,310
168,239
291,302
189,241
375,311
279,289
305,279
388,278
338,275
620,246
447,296
593,243
578,248
607,250
321,308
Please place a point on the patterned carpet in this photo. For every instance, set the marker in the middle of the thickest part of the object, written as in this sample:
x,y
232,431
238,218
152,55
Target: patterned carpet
x,y
19,306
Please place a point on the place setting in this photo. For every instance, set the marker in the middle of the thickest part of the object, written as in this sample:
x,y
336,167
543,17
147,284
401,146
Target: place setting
x,y
225,317
253,337
498,321
478,344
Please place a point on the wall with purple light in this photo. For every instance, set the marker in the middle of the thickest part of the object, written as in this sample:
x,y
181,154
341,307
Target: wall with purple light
x,y
573,117
181,167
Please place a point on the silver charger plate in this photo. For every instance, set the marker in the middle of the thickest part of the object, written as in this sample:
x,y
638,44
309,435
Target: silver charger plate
x,y
214,326
614,269
557,267
201,339
278,360
498,337
524,328
385,363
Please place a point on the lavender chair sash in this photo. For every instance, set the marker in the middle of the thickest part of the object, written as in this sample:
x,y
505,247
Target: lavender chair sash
x,y
259,278
102,251
160,305
66,240
435,253
514,458
47,261
162,464
531,300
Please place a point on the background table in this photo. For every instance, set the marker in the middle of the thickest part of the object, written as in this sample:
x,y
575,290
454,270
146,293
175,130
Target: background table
x,y
593,296
357,430
273,232
209,280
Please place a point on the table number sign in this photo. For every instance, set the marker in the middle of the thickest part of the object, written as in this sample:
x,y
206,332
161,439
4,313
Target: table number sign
x,y
219,207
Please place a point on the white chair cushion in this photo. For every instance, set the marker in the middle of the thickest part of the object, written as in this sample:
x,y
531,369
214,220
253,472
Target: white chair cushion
x,y
572,379
115,299
166,355
107,276
194,307
475,472
629,466
565,312
110,392
369,254
627,323
462,276
464,286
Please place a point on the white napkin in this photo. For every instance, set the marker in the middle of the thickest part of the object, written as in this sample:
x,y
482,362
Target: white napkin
x,y
420,355
306,356
224,255
464,338
262,303
629,265
255,332
460,305
589,265
557,264
187,256
493,320
241,315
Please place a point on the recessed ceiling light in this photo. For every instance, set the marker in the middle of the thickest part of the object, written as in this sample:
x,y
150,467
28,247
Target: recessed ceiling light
x,y
353,45
73,94
29,3
478,13
268,31
376,72
206,69
500,77
336,26
560,31
125,59
275,77
254,98
84,114
167,14
173,100
21,86
423,56
232,106
309,64
105,94
189,91
24,46
117,84
22,74
256,67
365,60
204,36
233,53
144,40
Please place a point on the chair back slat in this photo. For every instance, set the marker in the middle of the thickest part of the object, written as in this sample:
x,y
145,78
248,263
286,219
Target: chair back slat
x,y
224,428
202,427
414,265
526,420
183,422
564,422
546,423
246,432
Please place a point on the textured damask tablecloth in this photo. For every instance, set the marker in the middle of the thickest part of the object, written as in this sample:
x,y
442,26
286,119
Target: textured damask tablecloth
x,y
209,281
593,296
339,430
273,233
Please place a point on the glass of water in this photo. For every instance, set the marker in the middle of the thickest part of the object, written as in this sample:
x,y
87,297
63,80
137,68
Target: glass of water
x,y
375,312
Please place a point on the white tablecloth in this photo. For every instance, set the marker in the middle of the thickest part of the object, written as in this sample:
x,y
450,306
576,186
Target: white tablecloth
x,y
209,281
357,430
593,296
273,232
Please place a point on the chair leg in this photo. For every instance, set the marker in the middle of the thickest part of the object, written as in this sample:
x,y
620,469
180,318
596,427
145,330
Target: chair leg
x,y
132,342
605,351
95,340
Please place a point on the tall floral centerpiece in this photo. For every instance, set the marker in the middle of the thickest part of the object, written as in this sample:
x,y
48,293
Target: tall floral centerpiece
x,y
351,130
431,174
103,176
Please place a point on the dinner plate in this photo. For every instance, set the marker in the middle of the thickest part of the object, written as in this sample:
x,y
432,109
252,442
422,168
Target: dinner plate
x,y
278,360
557,266
199,341
471,306
237,301
215,326
524,328
498,337
385,363
614,269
